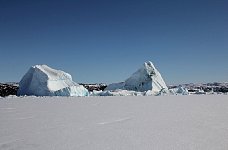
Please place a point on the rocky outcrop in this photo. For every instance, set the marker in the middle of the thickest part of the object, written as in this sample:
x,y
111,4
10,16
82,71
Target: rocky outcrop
x,y
97,87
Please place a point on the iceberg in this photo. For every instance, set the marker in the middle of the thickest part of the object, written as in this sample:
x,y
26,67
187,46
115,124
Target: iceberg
x,y
147,78
180,90
41,80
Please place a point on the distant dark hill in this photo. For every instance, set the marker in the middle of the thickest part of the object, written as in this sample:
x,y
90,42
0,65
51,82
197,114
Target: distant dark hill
x,y
97,86
7,89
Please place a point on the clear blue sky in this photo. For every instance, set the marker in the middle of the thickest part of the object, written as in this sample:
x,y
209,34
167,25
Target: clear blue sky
x,y
107,40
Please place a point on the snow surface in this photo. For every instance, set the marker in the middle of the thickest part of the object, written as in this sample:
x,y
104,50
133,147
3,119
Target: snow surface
x,y
144,79
41,80
114,123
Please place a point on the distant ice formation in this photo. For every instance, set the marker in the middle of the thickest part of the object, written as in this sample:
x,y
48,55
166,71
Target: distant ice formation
x,y
118,92
147,78
41,80
180,90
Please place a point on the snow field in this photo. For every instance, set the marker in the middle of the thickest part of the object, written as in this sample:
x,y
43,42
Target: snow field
x,y
110,123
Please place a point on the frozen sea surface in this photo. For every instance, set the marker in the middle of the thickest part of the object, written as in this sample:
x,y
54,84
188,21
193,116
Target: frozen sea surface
x,y
114,123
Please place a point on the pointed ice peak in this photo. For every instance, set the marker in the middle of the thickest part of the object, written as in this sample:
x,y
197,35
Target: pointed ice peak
x,y
149,64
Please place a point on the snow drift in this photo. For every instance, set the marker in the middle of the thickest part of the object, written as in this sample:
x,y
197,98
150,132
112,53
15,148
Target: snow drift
x,y
144,79
41,80
118,92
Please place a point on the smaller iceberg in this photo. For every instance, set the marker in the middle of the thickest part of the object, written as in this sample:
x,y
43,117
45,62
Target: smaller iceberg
x,y
146,78
41,80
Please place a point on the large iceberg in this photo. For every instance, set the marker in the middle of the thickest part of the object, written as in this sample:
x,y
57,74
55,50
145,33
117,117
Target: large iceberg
x,y
147,78
41,80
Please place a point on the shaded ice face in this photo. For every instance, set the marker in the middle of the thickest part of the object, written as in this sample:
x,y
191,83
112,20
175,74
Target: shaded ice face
x,y
150,69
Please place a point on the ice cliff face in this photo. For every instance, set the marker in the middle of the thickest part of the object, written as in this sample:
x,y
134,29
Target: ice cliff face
x,y
144,79
41,80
